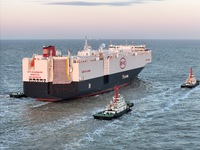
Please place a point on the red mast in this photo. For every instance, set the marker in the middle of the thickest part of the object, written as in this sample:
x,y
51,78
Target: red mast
x,y
116,92
190,72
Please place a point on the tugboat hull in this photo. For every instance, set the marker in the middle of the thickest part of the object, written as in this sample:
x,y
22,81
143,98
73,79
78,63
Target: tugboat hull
x,y
103,116
17,95
190,86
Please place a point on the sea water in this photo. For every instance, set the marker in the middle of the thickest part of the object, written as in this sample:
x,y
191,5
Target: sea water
x,y
164,116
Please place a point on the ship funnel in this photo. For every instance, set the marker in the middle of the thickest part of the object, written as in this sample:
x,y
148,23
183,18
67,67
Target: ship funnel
x,y
49,51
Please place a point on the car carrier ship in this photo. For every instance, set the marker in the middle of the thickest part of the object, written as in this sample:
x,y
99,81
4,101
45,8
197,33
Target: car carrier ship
x,y
54,77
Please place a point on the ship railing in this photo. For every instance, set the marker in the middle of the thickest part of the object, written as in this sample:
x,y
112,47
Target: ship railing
x,y
81,60
141,52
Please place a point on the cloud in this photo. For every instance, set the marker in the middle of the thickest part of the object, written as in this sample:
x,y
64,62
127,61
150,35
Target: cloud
x,y
87,3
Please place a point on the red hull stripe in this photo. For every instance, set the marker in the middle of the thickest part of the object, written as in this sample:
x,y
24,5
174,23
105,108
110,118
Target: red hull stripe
x,y
48,99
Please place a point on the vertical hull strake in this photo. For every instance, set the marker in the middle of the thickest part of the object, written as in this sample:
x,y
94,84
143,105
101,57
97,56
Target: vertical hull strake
x,y
53,77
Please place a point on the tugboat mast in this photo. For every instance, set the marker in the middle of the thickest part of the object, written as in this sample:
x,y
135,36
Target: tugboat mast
x,y
116,92
191,73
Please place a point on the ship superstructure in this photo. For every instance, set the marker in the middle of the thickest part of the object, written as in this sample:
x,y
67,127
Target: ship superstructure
x,y
53,77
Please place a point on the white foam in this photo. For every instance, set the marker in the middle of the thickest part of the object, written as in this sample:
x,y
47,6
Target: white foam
x,y
5,96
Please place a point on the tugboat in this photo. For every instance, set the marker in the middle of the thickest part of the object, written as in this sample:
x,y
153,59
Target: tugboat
x,y
117,107
17,95
191,81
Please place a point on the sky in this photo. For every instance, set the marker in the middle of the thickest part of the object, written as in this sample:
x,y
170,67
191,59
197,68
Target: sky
x,y
100,19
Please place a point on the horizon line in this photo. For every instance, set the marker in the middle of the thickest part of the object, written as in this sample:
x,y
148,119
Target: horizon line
x,y
100,39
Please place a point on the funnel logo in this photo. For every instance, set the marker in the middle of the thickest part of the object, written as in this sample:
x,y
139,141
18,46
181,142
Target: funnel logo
x,y
122,63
